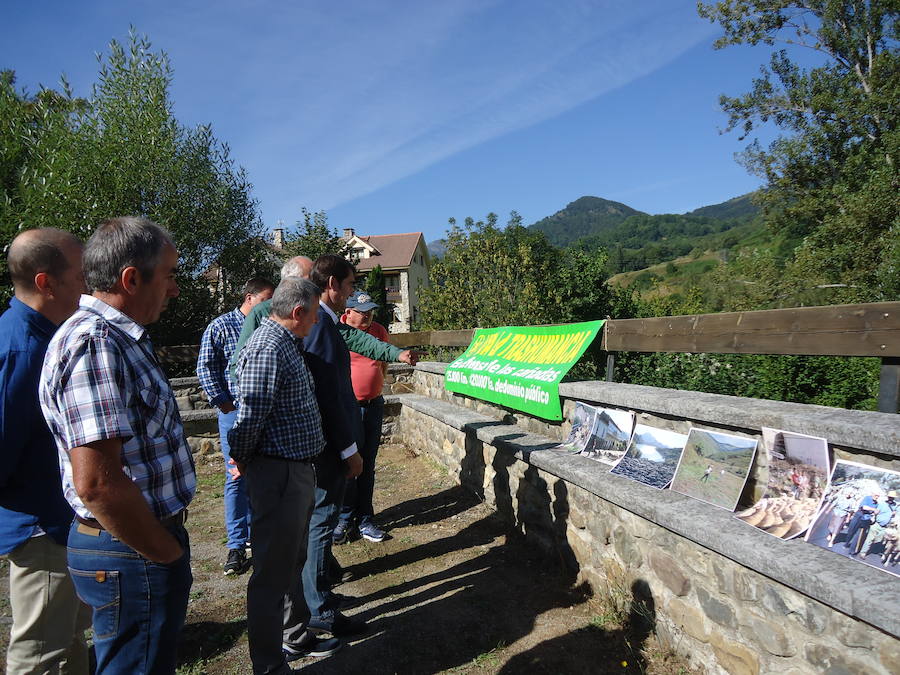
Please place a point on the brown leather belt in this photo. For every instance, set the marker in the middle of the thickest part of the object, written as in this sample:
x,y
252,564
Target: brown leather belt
x,y
179,518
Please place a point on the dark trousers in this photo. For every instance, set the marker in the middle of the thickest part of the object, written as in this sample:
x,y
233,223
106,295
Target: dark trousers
x,y
857,524
360,490
281,496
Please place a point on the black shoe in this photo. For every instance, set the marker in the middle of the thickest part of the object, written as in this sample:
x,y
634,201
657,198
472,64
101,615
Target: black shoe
x,y
237,562
337,624
310,645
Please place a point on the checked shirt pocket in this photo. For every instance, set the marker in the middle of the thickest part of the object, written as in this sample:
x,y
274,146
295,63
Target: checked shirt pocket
x,y
100,591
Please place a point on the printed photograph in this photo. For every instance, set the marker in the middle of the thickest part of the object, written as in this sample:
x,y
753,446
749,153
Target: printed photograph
x,y
652,456
714,467
798,474
610,435
582,423
858,517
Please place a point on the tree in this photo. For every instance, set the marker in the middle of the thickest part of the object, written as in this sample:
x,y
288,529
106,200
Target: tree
x,y
122,152
314,238
513,276
375,288
832,182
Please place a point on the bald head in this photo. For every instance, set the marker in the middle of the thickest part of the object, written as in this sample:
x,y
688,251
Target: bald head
x,y
299,266
35,251
45,267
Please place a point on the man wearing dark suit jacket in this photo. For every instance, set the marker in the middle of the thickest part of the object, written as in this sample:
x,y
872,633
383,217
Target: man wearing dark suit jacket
x,y
329,363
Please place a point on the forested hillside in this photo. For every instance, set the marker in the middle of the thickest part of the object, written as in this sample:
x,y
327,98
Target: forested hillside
x,y
583,217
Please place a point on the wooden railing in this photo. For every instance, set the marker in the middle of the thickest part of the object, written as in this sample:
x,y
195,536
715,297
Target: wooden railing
x,y
871,329
837,330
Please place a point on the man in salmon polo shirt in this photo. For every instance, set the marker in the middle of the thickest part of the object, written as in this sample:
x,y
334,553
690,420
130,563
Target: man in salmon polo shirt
x,y
368,380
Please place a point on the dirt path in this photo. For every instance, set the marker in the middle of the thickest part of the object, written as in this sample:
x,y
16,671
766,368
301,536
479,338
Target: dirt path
x,y
449,592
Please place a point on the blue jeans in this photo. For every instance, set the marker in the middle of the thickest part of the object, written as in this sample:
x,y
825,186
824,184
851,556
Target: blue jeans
x,y
358,498
138,606
237,505
329,496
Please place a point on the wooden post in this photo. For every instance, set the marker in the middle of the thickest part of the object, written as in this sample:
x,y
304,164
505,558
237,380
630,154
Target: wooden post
x,y
610,367
889,385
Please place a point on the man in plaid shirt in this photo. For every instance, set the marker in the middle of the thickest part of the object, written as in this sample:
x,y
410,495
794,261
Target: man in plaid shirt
x,y
127,468
216,347
277,434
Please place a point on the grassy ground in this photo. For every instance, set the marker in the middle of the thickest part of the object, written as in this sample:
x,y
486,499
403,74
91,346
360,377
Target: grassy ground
x,y
450,592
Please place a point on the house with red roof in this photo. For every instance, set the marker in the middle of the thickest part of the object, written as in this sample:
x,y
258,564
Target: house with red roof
x,y
405,263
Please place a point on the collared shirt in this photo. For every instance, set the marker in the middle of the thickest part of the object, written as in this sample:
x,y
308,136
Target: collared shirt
x,y
330,312
277,411
31,499
101,380
216,347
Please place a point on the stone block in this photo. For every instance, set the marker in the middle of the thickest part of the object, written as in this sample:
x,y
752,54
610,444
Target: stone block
x,y
688,618
722,573
627,548
815,617
833,662
745,586
778,602
734,657
669,572
889,654
717,610
580,545
773,637
576,517
853,633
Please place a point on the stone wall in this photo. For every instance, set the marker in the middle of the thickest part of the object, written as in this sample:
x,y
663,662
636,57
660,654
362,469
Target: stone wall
x,y
728,596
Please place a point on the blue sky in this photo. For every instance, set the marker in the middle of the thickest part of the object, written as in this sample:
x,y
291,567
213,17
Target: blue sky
x,y
395,115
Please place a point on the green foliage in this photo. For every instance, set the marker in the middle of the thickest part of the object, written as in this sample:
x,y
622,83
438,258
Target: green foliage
x,y
70,163
832,183
513,276
375,288
821,380
313,237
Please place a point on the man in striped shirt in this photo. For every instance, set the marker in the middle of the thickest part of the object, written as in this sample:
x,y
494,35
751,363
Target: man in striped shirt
x,y
277,434
127,469
216,347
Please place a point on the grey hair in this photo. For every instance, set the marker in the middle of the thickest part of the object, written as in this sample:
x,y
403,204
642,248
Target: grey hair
x,y
118,243
293,267
294,292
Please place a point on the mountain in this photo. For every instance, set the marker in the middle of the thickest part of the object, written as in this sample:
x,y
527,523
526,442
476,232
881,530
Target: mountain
x,y
583,217
736,208
437,248
591,222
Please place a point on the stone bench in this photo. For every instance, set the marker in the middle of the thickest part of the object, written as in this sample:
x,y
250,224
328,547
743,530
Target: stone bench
x,y
726,594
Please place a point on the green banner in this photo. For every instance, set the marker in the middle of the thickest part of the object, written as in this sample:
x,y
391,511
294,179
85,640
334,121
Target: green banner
x,y
520,366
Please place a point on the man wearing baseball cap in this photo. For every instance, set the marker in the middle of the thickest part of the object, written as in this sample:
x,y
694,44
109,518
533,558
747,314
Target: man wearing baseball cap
x,y
367,376
881,518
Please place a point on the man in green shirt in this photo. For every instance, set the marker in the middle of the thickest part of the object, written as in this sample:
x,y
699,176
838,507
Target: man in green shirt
x,y
357,341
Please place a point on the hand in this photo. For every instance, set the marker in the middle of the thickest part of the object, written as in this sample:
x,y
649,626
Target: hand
x,y
227,408
354,465
410,356
177,552
236,470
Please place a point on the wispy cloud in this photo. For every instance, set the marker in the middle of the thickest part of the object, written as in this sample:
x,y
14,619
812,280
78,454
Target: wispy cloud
x,y
347,97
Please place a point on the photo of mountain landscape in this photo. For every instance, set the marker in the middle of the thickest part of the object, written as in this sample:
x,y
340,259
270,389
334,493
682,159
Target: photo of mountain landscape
x,y
714,467
652,456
